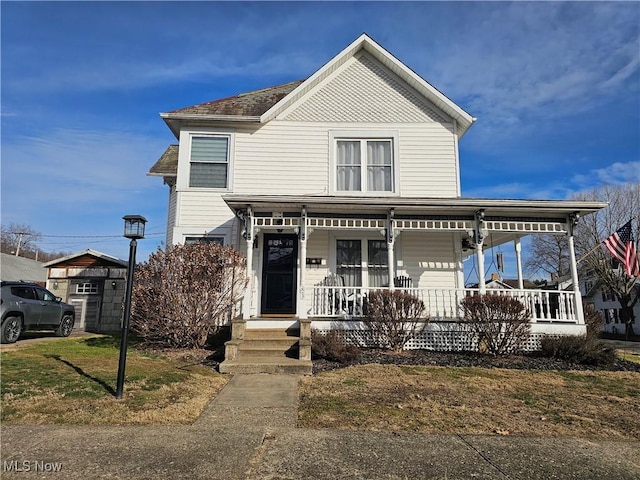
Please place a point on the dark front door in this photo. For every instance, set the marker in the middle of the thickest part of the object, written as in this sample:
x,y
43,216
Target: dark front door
x,y
279,274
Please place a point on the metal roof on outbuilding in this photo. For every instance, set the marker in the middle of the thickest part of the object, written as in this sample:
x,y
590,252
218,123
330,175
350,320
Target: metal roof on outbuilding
x,y
14,268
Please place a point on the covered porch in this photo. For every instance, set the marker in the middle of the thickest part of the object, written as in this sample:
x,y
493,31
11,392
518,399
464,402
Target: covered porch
x,y
324,289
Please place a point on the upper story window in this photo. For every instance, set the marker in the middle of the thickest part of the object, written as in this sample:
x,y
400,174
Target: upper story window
x,y
364,162
209,162
207,239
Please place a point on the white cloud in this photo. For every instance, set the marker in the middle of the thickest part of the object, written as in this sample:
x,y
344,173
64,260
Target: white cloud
x,y
616,173
73,180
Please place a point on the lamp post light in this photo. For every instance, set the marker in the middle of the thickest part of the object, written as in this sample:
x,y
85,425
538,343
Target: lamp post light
x,y
133,229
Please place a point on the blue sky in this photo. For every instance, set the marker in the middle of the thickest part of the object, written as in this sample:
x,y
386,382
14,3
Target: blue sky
x,y
555,88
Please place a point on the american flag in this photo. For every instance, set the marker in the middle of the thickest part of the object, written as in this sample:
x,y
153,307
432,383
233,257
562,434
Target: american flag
x,y
622,246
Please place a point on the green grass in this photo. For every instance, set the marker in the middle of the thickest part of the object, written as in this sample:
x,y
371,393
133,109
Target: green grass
x,y
74,381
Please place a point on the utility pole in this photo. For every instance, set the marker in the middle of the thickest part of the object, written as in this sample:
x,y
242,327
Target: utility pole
x,y
19,243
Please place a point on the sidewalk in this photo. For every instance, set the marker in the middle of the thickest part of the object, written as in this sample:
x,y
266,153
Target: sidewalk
x,y
248,432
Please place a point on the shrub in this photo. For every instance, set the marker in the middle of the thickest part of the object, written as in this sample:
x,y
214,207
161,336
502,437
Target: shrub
x,y
186,293
394,317
578,349
501,323
594,321
331,346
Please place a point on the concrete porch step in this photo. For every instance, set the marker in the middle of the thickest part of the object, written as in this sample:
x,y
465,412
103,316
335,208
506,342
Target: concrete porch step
x,y
253,364
271,333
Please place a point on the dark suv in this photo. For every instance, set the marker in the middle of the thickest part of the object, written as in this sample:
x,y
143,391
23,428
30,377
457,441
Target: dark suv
x,y
27,306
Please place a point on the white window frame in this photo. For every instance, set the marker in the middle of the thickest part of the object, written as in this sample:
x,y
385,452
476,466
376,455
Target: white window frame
x,y
87,288
364,237
219,239
184,159
364,136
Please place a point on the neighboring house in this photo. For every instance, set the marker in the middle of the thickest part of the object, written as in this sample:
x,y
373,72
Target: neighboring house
x,y
345,182
95,284
604,300
19,268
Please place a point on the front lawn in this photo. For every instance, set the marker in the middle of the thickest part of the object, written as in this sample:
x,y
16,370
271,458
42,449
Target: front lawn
x,y
472,400
74,381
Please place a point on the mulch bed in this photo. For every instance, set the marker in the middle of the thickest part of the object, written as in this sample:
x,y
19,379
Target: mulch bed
x,y
470,359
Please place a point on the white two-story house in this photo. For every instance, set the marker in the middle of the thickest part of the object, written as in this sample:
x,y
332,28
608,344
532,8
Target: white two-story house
x,y
344,182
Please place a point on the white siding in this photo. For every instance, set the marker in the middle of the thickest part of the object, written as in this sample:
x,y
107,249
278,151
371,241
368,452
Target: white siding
x,y
282,158
171,213
429,259
317,247
293,158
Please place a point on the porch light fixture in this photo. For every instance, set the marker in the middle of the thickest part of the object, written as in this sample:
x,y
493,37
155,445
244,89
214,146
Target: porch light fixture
x,y
114,284
134,230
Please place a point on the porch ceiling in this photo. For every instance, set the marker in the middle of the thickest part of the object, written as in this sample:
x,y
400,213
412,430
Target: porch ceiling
x,y
557,209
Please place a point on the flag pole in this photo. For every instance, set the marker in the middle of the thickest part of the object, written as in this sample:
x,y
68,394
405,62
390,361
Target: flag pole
x,y
588,253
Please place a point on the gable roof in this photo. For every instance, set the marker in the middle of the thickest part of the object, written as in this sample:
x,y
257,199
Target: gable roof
x,y
19,268
167,164
88,258
264,105
463,119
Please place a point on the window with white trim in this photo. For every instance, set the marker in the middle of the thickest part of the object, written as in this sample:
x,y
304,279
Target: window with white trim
x,y
207,239
349,264
87,288
209,161
364,165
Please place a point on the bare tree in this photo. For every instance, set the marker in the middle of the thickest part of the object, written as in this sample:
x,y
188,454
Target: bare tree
x,y
594,259
19,238
549,253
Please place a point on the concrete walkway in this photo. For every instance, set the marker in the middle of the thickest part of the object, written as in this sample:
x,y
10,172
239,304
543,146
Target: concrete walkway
x,y
248,432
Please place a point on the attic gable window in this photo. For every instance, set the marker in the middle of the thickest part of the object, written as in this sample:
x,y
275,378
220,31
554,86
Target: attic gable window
x,y
364,163
209,162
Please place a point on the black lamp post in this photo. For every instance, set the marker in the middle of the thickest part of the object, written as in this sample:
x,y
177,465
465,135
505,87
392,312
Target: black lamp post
x,y
133,229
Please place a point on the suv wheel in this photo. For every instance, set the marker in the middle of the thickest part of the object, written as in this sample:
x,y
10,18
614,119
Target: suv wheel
x,y
11,329
65,327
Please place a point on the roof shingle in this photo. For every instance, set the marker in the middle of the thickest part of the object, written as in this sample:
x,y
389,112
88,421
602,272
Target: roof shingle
x,y
250,104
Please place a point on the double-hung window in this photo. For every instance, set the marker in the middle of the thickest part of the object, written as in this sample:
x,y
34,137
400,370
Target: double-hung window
x,y
349,262
364,165
209,163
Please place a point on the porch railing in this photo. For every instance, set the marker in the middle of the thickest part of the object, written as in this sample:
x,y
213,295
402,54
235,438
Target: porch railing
x,y
443,304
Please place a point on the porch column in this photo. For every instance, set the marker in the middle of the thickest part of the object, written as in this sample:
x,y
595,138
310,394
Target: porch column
x,y
390,245
572,222
248,235
302,266
518,248
479,240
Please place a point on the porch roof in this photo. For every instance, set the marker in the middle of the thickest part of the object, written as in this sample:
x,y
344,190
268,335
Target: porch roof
x,y
557,209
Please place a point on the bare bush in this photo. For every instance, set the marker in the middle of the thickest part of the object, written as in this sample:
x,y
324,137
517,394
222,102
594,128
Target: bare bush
x,y
394,317
184,294
593,319
501,323
331,346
